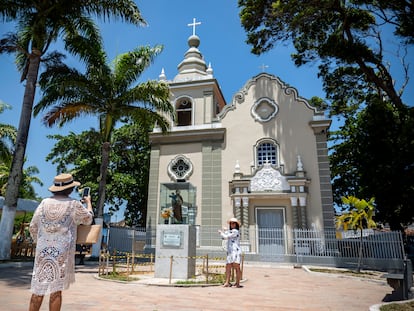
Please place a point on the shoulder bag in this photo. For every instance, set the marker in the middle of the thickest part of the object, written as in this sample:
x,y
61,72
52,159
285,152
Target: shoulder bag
x,y
88,234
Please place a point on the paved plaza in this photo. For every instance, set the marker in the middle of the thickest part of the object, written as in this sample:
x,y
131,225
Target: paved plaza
x,y
266,287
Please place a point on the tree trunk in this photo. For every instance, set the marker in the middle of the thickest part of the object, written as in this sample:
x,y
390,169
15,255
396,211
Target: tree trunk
x,y
106,146
16,170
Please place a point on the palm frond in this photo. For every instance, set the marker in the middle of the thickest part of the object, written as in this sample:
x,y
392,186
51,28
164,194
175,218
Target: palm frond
x,y
129,66
126,10
65,112
8,132
86,42
9,43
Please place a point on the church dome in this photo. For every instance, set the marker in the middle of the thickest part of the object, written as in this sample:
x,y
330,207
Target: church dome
x,y
193,67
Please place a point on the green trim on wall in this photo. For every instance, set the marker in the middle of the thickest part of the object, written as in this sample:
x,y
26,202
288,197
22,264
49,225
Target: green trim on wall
x,y
153,186
211,202
328,213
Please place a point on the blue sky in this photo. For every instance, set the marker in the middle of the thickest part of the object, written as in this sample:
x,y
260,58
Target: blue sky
x,y
222,44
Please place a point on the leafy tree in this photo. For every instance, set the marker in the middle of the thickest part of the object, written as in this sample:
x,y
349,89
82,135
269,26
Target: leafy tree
x,y
127,180
344,37
131,158
41,23
374,147
109,91
402,16
376,158
359,216
80,155
24,218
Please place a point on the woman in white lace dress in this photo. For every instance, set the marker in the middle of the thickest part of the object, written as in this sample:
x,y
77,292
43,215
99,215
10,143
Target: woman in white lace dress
x,y
233,251
53,228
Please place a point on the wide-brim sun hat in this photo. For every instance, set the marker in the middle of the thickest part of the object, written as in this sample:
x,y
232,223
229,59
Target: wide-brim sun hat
x,y
233,219
62,182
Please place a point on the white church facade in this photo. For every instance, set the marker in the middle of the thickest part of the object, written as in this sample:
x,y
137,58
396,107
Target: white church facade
x,y
262,158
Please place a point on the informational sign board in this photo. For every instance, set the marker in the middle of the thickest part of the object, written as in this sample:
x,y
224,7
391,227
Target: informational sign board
x,y
172,239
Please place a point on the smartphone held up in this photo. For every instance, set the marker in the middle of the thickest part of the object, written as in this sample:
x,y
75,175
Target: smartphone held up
x,y
85,192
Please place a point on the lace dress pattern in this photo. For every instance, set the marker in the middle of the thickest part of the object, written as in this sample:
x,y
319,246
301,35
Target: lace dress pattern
x,y
53,228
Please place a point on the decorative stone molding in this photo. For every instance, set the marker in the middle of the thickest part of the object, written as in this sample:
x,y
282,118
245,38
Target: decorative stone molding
x,y
299,164
180,168
268,179
264,109
237,167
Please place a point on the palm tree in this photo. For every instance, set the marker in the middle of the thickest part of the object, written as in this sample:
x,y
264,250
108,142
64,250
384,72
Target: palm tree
x,y
7,137
40,23
358,217
109,91
7,140
26,189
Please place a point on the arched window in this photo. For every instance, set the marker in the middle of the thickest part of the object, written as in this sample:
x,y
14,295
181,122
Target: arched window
x,y
183,108
266,152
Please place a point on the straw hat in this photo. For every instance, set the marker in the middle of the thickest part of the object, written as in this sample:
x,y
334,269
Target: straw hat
x,y
233,220
62,182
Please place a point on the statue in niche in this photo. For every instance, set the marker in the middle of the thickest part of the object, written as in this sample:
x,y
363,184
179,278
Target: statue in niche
x,y
177,202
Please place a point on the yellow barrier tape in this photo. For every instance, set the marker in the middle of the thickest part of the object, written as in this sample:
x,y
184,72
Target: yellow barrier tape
x,y
130,255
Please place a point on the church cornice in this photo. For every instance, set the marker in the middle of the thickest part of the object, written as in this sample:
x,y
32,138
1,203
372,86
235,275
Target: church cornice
x,y
189,136
187,82
320,126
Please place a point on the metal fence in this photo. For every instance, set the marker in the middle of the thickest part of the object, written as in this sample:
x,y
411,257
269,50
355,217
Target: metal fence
x,y
378,250
375,249
128,240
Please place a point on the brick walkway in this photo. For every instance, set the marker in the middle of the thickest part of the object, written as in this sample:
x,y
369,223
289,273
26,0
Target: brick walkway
x,y
267,287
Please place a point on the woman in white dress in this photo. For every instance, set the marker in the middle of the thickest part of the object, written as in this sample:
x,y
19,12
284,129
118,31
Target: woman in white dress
x,y
53,228
233,251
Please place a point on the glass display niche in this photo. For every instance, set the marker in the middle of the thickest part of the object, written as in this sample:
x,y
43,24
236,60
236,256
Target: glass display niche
x,y
178,203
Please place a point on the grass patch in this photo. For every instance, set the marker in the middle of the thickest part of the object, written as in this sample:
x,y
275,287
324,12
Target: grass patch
x,y
212,279
216,278
361,274
409,306
117,277
190,282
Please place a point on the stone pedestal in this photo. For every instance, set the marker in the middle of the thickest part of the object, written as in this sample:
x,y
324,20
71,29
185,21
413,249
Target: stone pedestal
x,y
178,241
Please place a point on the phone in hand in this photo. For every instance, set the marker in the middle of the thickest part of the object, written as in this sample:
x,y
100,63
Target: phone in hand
x,y
85,192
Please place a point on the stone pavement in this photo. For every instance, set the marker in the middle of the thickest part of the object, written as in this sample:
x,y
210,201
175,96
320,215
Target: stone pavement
x,y
266,287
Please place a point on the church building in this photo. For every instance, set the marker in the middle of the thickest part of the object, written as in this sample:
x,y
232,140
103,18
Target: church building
x,y
261,158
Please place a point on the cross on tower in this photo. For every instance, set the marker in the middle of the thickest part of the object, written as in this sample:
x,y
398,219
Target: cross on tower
x,y
264,67
194,24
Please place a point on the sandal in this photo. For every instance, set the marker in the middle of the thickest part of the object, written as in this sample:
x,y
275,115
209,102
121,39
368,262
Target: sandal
x,y
227,285
238,285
